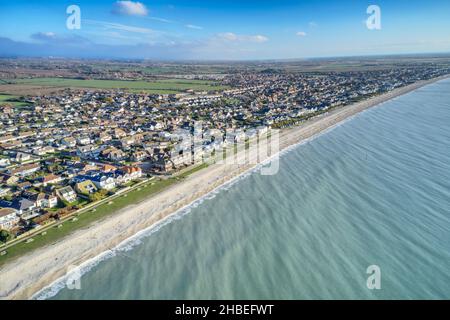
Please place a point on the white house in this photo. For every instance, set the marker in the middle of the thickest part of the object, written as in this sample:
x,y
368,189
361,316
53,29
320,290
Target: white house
x,y
8,218
67,194
104,182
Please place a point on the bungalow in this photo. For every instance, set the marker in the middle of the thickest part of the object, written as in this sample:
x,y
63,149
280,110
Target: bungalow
x,y
67,194
25,170
8,218
50,179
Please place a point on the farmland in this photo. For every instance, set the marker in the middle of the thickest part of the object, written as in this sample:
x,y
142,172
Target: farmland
x,y
165,86
13,100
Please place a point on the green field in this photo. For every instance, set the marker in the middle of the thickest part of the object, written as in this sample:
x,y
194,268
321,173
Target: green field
x,y
90,216
158,86
13,100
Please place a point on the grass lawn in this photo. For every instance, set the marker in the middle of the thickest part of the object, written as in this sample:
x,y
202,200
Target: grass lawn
x,y
90,216
159,86
5,98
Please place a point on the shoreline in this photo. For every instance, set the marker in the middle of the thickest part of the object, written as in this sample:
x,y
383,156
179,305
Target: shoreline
x,y
25,276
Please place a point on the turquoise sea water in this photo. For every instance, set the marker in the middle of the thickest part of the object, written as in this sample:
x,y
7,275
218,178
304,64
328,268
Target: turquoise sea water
x,y
374,190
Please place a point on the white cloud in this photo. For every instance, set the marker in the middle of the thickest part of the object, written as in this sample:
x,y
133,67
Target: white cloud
x,y
312,24
230,36
130,8
301,34
161,20
259,38
121,27
44,35
191,26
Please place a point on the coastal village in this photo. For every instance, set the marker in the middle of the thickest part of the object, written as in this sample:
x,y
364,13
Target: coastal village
x,y
62,152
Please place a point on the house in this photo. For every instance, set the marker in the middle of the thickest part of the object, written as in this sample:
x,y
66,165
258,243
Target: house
x,y
25,208
104,181
22,157
69,142
8,180
48,200
117,155
25,170
50,179
104,137
127,174
88,151
67,194
83,140
24,185
47,149
8,218
133,172
4,162
113,154
85,187
119,133
127,141
107,168
4,191
42,200
139,156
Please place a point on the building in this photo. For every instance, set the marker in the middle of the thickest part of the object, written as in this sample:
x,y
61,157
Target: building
x,y
8,218
85,187
129,173
25,170
67,194
104,181
50,179
25,208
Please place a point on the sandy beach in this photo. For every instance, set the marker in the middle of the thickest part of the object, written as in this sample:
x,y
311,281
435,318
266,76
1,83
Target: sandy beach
x,y
24,276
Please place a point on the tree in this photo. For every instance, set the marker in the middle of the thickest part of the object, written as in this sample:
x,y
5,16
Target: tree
x,y
99,195
5,235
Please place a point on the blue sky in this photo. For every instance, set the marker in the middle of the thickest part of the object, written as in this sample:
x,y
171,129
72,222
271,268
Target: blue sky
x,y
223,30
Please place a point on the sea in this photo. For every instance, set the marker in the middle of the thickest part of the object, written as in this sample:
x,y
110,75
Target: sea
x,y
361,211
